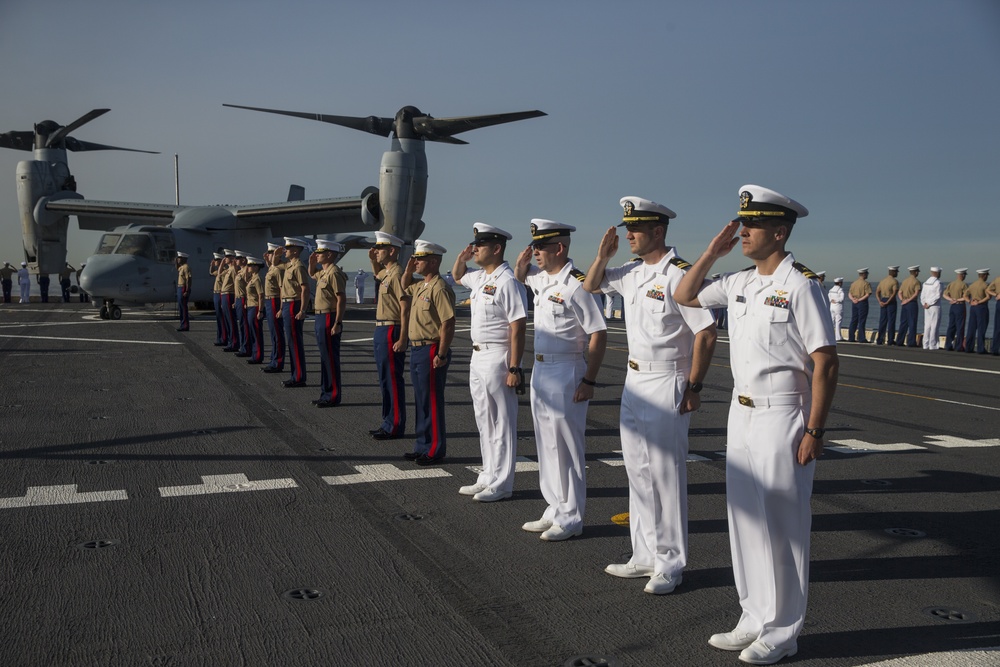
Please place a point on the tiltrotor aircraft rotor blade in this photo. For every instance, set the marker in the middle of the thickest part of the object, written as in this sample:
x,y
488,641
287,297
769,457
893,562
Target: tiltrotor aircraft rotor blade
x,y
62,132
76,145
371,124
21,141
442,129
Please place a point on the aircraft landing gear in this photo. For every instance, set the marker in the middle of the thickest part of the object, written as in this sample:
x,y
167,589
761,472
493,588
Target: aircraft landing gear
x,y
109,311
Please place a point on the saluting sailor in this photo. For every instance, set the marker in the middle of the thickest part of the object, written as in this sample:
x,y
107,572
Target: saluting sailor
x,y
215,270
930,299
227,290
909,292
955,294
183,289
836,299
24,283
429,307
979,312
6,279
391,337
570,339
276,263
499,316
255,311
670,347
860,293
886,293
294,301
328,307
784,363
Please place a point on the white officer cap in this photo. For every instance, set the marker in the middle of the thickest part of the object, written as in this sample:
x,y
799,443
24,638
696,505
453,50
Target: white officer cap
x,y
542,229
217,255
24,264
637,210
182,254
715,276
894,268
386,239
271,247
254,261
913,268
962,270
981,271
864,270
422,248
291,241
760,204
228,253
838,279
323,245
486,232
935,269
821,274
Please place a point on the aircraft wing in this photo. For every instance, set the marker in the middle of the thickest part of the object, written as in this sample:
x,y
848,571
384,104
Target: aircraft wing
x,y
302,218
106,215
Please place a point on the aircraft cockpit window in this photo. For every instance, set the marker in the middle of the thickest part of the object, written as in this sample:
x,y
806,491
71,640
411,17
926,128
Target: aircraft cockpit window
x,y
166,249
139,245
108,243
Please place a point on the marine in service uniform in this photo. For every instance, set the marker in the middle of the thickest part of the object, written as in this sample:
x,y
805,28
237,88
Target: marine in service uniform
x,y
570,339
84,297
430,306
240,303
6,280
994,291
183,290
227,293
329,305
215,270
909,293
65,280
24,283
294,301
955,294
43,286
886,293
930,299
785,366
391,337
979,312
255,310
276,263
669,347
836,299
499,316
859,294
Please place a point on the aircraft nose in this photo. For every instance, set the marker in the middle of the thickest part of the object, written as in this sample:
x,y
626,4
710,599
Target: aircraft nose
x,y
114,277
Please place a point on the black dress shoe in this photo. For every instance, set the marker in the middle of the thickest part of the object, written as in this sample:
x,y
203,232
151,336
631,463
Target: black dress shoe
x,y
375,430
254,363
218,344
269,369
326,404
289,384
424,460
242,354
229,349
183,329
383,435
411,456
316,400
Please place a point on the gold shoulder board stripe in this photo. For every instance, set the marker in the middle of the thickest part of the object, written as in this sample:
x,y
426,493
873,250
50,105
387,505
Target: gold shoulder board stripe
x,y
578,274
804,270
680,263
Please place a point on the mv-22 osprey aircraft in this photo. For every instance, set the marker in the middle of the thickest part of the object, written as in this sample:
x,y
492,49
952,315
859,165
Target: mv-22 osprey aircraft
x,y
134,262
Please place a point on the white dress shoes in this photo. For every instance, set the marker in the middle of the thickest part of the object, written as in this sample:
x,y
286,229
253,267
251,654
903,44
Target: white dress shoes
x,y
628,570
762,653
472,489
737,640
557,533
660,584
539,526
491,495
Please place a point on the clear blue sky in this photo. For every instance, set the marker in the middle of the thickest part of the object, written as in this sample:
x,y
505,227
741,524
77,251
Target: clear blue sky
x,y
880,117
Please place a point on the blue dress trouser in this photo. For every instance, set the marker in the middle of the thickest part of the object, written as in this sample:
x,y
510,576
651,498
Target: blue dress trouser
x,y
390,379
908,325
182,307
240,308
979,319
954,337
995,347
887,323
293,334
329,358
220,335
428,398
859,315
229,321
272,306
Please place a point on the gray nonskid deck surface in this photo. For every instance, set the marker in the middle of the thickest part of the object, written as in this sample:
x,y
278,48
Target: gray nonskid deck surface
x,y
218,493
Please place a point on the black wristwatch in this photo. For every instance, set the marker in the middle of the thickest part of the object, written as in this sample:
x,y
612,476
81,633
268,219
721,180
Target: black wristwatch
x,y
514,369
816,432
696,387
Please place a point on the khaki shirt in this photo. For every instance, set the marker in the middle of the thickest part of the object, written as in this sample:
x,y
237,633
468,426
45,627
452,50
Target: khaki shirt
x,y
255,290
273,279
6,272
295,276
184,275
910,288
390,291
887,289
239,284
977,290
432,304
956,290
65,274
330,282
994,289
861,289
217,272
227,286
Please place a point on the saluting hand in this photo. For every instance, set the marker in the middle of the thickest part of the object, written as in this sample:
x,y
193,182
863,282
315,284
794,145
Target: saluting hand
x,y
467,253
524,259
609,245
725,241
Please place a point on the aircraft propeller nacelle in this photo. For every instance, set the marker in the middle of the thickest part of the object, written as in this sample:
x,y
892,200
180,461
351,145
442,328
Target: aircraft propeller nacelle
x,y
403,188
44,235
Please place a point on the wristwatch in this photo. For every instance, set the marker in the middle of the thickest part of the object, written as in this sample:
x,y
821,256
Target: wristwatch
x,y
695,387
514,369
816,432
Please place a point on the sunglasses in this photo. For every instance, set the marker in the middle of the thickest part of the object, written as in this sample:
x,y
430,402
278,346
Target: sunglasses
x,y
543,246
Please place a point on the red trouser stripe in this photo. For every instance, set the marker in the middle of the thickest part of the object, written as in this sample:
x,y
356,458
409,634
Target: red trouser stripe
x,y
435,433
334,388
295,342
392,378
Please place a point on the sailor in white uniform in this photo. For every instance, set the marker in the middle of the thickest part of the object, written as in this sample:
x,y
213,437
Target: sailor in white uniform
x,y
670,347
930,299
570,339
836,298
499,316
24,283
784,361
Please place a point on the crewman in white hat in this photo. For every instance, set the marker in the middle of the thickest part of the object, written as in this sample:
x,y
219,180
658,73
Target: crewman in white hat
x,y
499,317
930,299
184,280
294,301
979,312
255,310
568,324
274,257
24,283
6,279
886,293
430,311
669,348
329,306
784,361
955,294
836,298
860,293
215,270
391,337
909,292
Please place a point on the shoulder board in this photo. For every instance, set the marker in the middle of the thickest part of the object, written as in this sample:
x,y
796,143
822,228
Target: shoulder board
x,y
680,263
637,259
578,274
804,270
749,268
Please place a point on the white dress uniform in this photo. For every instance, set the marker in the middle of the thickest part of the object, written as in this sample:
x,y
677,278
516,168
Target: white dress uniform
x,y
565,317
24,284
930,296
654,434
775,323
359,287
497,299
836,298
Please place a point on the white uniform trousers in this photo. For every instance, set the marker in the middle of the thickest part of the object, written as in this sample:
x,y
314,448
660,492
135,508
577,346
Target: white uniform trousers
x,y
25,292
932,315
767,495
655,445
560,425
495,406
837,313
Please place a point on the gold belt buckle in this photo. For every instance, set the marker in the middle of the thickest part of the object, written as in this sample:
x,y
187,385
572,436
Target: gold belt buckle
x,y
539,357
746,400
634,366
475,348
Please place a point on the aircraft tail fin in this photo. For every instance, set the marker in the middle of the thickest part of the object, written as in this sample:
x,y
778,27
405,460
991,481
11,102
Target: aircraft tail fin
x,y
296,193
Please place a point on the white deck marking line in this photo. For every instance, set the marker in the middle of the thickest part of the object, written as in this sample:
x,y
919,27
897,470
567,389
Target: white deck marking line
x,y
64,494
95,340
225,484
383,472
860,447
920,363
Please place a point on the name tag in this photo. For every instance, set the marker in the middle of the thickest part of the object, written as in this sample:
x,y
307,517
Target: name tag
x,y
740,298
